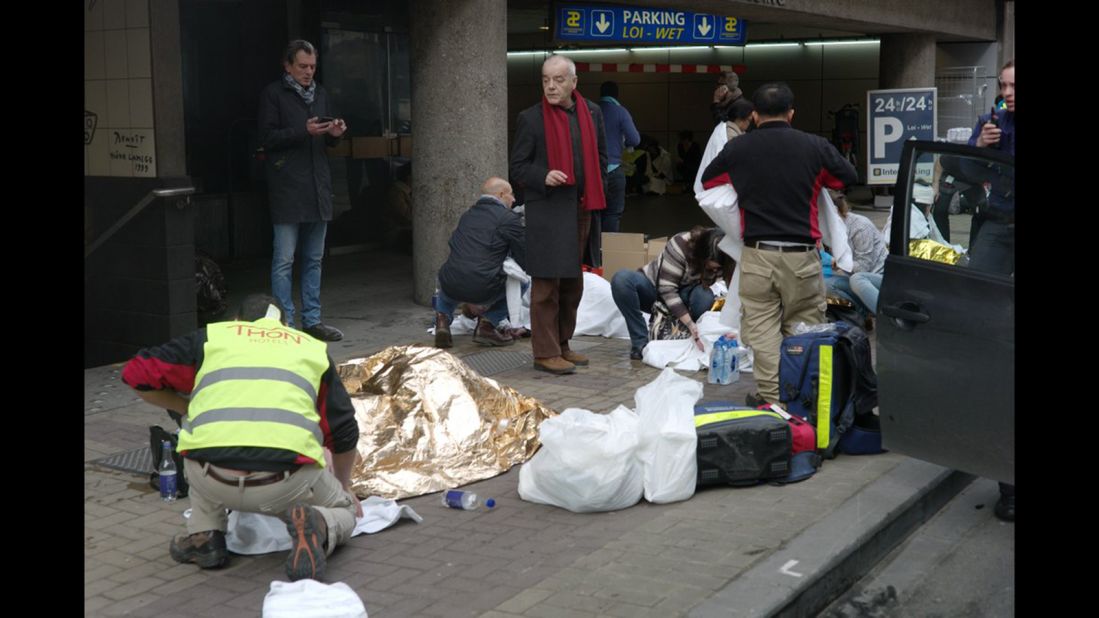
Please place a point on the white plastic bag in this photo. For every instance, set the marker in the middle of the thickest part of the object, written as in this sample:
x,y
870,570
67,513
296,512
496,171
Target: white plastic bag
x,y
588,462
667,444
308,598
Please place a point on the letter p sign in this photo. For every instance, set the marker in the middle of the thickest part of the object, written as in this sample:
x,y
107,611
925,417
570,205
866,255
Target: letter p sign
x,y
886,131
573,20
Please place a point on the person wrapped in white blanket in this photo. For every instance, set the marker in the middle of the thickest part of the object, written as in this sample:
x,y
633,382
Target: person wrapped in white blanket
x,y
774,175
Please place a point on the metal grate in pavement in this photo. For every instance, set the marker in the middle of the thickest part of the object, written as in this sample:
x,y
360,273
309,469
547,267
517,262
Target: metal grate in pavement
x,y
137,461
497,361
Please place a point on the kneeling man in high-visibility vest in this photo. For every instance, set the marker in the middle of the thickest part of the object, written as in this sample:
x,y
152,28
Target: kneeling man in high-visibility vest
x,y
264,402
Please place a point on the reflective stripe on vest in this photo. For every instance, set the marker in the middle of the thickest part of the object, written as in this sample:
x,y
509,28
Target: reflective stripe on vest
x,y
255,414
256,373
258,386
717,417
824,397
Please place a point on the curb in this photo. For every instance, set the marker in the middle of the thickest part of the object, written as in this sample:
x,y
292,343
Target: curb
x,y
818,565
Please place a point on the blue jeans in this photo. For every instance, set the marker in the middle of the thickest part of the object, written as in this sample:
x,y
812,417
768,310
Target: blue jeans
x,y
633,292
840,285
866,287
287,237
616,200
496,313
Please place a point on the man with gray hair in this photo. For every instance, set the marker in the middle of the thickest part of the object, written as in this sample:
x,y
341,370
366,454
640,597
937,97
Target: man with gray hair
x,y
558,159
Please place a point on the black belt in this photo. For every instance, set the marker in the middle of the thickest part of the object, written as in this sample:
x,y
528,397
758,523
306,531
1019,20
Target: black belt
x,y
783,248
240,481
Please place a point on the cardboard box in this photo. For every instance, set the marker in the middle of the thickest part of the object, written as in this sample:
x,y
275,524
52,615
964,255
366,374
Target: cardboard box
x,y
654,248
622,252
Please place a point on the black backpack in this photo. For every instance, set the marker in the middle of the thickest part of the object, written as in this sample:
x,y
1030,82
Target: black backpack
x,y
157,435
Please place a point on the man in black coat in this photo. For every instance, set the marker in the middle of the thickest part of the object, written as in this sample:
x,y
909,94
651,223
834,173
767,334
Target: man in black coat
x,y
474,272
295,127
558,160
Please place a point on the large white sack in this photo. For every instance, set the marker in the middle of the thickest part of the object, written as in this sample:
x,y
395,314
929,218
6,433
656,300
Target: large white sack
x,y
588,462
667,439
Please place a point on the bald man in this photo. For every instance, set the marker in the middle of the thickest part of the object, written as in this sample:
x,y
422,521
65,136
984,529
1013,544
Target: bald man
x,y
473,273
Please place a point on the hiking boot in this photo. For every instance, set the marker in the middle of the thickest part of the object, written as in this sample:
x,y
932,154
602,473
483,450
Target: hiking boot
x,y
636,354
487,334
206,549
442,331
555,365
576,359
308,537
755,400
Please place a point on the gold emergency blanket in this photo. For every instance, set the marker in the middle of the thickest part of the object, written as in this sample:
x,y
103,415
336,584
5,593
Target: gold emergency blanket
x,y
927,249
429,422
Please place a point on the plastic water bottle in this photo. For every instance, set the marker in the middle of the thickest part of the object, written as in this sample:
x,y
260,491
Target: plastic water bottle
x,y
732,372
717,362
465,500
167,473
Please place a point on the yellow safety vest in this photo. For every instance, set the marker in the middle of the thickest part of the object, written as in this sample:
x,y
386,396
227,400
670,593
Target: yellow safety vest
x,y
257,386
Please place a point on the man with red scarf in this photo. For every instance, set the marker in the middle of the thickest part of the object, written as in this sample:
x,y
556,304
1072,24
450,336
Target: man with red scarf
x,y
557,161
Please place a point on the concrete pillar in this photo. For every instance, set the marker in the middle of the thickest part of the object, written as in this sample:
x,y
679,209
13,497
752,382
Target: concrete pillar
x,y
906,61
1007,36
459,120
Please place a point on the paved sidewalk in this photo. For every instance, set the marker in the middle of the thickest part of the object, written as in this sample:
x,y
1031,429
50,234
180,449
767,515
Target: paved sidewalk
x,y
519,559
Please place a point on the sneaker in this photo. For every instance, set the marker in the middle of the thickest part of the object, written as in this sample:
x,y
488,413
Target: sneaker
x,y
487,334
635,354
555,365
308,536
754,400
576,359
323,332
206,549
442,331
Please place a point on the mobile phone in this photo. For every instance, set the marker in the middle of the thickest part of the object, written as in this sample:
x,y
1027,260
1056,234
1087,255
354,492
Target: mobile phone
x,y
324,119
994,119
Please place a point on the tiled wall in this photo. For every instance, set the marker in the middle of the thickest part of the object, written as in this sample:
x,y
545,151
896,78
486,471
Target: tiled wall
x,y
118,89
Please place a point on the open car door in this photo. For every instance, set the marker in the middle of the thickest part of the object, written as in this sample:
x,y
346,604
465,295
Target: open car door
x,y
946,310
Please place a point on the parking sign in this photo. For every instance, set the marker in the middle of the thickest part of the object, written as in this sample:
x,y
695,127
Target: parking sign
x,y
894,117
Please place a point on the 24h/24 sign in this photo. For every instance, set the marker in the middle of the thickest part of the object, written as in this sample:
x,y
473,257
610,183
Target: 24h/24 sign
x,y
894,117
625,24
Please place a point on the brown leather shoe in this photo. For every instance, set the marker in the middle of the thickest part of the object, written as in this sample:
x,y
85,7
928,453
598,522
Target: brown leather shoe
x,y
576,359
555,365
442,331
487,334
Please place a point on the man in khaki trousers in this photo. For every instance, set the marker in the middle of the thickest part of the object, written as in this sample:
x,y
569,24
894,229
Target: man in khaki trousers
x,y
778,173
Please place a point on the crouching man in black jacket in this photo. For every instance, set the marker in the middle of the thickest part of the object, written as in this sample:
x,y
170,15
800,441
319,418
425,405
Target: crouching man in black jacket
x,y
474,272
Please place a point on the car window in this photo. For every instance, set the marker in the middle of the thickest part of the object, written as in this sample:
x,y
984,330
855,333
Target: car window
x,y
962,210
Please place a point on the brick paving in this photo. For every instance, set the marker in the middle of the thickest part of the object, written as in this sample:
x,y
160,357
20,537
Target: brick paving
x,y
519,559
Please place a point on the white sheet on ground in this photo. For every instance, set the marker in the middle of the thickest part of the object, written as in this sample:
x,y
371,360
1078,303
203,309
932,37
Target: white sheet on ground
x,y
597,314
684,355
256,533
309,598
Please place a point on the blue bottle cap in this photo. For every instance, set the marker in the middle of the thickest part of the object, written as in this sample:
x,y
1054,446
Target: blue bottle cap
x,y
491,502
